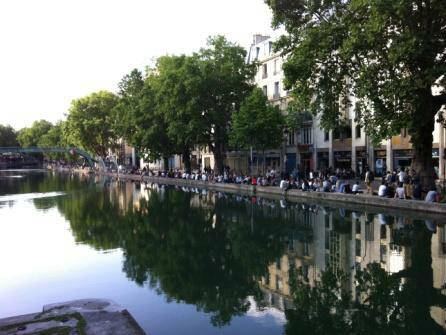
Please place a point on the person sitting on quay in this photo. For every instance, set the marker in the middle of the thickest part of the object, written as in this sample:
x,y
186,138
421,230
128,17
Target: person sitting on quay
x,y
356,189
326,185
382,190
432,195
399,192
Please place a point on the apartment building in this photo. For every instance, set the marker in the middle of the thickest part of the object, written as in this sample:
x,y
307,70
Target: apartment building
x,y
348,147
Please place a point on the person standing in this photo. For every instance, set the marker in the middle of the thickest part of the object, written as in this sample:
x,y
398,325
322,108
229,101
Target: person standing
x,y
368,180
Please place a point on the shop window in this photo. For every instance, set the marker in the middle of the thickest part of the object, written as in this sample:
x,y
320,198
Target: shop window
x,y
326,136
358,131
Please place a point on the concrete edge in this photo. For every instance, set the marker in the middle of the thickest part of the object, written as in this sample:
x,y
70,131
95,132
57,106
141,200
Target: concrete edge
x,y
414,206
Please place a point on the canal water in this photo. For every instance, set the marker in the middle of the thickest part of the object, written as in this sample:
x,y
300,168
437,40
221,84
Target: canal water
x,y
190,261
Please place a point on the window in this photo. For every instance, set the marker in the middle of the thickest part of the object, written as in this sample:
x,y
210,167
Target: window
x,y
336,134
306,136
270,47
358,131
358,227
305,270
326,136
347,131
306,250
265,71
358,248
383,231
257,52
383,253
275,67
276,90
291,138
278,283
265,90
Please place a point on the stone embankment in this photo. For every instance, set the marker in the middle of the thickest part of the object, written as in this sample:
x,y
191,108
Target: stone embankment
x,y
347,200
80,317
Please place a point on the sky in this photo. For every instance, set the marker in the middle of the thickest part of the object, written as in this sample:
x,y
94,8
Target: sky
x,y
54,51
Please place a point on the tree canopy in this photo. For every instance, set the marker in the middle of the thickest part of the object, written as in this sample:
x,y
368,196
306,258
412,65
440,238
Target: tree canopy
x,y
8,136
91,124
385,58
31,136
258,124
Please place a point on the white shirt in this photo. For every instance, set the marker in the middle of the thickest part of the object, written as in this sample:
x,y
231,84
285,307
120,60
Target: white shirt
x,y
401,176
382,190
355,188
400,193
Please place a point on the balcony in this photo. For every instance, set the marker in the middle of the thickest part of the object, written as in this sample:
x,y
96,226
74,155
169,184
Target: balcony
x,y
276,96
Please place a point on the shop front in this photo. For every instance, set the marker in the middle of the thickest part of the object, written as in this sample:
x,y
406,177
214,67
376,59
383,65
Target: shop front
x,y
380,162
361,161
342,159
290,163
323,160
402,158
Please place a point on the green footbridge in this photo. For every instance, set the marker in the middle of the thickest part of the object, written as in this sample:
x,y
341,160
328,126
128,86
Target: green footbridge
x,y
30,150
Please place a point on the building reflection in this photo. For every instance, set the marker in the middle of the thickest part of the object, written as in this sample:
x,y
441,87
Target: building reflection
x,y
323,238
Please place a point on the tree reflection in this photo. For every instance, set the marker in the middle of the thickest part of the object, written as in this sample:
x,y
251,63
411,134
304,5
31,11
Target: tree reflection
x,y
195,249
383,303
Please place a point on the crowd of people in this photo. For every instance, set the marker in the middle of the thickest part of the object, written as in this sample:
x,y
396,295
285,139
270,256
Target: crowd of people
x,y
399,184
402,183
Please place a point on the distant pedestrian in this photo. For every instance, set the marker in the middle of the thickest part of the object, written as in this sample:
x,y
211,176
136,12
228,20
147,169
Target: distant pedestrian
x,y
369,177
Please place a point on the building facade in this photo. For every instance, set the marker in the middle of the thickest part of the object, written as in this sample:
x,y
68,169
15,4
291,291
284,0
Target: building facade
x,y
312,148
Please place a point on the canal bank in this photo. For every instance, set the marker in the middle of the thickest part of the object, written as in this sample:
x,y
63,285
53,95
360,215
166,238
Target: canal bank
x,y
414,206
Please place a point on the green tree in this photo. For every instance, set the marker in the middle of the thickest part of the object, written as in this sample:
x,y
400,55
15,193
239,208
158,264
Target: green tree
x,y
138,119
226,79
8,136
178,87
389,55
90,122
30,137
258,124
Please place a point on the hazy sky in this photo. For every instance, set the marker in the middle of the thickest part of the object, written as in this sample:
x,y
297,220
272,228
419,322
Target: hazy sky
x,y
52,51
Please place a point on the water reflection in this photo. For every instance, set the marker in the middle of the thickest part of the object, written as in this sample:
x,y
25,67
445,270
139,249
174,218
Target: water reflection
x,y
333,270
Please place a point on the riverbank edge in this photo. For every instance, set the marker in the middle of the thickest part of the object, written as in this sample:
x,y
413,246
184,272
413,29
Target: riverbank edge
x,y
292,195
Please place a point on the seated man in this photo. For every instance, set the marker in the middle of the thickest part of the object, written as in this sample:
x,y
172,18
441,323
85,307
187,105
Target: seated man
x,y
382,190
356,189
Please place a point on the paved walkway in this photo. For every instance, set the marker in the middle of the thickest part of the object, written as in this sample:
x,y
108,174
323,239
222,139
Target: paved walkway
x,y
87,316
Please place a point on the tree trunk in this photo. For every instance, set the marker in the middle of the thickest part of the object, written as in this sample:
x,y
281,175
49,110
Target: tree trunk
x,y
166,163
186,160
219,158
420,130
